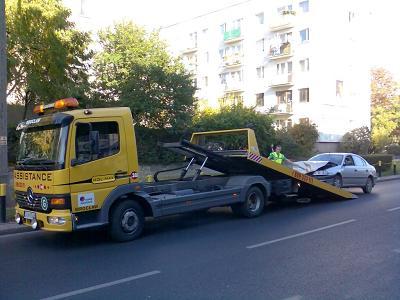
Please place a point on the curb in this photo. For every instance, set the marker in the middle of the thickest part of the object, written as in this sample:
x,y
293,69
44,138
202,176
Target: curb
x,y
12,228
388,178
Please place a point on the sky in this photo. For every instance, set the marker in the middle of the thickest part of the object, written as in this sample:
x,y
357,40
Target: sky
x,y
380,25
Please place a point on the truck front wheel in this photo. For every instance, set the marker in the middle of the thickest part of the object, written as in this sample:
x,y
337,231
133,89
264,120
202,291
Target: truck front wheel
x,y
253,205
126,221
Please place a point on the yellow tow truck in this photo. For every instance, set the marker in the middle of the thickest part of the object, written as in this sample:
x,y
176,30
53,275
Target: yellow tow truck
x,y
78,169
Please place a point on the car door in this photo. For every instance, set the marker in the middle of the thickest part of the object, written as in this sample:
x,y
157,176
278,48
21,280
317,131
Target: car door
x,y
361,170
94,176
349,172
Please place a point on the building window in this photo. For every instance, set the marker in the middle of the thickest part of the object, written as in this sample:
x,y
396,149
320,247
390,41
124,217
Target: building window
x,y
223,28
284,97
84,5
289,123
260,45
205,81
205,31
260,99
304,65
339,88
284,68
260,18
305,121
304,35
304,6
207,57
304,95
260,72
193,39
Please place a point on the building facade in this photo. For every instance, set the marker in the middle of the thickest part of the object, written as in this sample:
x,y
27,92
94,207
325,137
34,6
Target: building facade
x,y
299,61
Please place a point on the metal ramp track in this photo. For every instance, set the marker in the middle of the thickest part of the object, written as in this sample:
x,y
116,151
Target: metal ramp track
x,y
243,162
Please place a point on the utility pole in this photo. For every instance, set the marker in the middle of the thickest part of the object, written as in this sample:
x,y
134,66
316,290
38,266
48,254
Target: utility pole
x,y
3,110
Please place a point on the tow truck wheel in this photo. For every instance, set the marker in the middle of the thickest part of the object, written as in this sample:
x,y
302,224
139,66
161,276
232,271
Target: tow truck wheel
x,y
253,206
368,186
126,221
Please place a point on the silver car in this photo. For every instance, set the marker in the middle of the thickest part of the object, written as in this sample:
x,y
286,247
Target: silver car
x,y
345,170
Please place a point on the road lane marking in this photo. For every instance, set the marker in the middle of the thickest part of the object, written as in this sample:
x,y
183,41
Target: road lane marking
x,y
101,286
394,208
299,234
296,297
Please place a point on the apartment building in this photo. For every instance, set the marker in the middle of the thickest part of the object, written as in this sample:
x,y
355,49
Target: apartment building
x,y
299,61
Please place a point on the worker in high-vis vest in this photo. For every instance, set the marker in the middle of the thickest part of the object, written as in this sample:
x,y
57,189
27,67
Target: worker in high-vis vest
x,y
277,156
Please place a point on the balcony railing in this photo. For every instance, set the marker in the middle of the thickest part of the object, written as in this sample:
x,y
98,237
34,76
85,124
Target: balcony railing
x,y
279,51
284,21
232,86
282,80
281,109
232,35
233,60
229,100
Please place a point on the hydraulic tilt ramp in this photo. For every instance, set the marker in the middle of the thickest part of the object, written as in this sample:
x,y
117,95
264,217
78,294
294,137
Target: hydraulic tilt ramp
x,y
235,162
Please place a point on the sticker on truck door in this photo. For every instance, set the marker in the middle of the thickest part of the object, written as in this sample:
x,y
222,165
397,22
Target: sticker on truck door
x,y
86,199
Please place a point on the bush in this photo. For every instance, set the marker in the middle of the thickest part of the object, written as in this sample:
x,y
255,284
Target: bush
x,y
393,149
374,159
235,117
357,141
290,148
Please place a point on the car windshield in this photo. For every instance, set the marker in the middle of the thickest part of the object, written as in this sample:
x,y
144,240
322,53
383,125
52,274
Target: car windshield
x,y
42,146
333,158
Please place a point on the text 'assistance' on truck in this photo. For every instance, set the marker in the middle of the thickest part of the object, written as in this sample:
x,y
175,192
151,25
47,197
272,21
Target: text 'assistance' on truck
x,y
78,169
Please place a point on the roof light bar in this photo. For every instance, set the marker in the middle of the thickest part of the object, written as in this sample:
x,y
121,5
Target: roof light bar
x,y
59,104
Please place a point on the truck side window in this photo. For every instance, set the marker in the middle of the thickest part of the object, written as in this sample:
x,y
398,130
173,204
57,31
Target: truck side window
x,y
108,140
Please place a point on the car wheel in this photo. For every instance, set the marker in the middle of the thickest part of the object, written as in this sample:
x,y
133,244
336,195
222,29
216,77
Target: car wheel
x,y
126,221
368,186
253,205
337,181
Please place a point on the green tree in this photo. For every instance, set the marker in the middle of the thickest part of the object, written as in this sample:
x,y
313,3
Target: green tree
x,y
305,135
385,109
235,117
47,58
357,141
134,69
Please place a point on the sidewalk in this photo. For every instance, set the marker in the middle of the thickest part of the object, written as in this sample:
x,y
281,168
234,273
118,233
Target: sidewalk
x,y
388,178
12,227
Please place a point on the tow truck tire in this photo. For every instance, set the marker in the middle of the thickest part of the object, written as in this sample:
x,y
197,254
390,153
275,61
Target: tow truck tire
x,y
253,205
367,189
126,221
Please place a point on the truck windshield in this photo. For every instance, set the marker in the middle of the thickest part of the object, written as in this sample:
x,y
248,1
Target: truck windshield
x,y
43,147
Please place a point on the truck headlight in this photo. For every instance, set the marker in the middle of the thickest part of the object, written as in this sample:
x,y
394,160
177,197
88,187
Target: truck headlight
x,y
56,220
18,218
321,173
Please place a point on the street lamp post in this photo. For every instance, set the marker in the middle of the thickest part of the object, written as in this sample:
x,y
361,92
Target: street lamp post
x,y
3,109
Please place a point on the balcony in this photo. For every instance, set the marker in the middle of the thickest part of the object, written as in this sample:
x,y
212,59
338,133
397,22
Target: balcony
x,y
282,109
234,60
232,36
231,99
232,86
283,80
189,49
283,50
284,21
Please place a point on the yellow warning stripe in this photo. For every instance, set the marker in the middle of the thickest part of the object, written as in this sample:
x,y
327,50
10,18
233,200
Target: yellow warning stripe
x,y
303,177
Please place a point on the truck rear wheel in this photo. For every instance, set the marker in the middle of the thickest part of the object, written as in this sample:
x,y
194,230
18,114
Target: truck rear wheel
x,y
126,221
253,205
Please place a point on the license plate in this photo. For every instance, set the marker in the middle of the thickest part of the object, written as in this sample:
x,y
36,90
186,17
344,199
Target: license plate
x,y
30,215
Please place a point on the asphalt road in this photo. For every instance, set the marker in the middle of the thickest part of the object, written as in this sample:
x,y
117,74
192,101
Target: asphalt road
x,y
322,250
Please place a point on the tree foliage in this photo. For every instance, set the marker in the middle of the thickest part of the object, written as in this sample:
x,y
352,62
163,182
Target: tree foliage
x,y
134,69
385,110
46,56
357,141
234,117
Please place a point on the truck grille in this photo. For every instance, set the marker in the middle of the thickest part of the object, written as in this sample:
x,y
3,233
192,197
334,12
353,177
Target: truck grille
x,y
35,205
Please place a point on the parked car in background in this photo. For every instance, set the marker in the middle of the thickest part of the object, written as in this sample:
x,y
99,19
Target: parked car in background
x,y
345,170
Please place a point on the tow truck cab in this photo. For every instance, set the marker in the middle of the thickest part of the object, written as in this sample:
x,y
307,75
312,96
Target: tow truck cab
x,y
69,162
